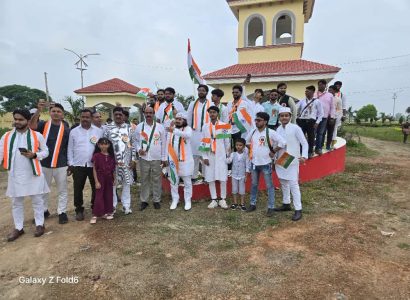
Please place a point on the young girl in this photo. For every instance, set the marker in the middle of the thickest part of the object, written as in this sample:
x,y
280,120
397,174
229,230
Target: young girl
x,y
240,169
104,167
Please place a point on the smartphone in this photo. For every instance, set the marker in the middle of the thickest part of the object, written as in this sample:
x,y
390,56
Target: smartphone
x,y
23,150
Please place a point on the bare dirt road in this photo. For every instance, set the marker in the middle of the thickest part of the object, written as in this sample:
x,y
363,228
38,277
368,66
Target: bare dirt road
x,y
337,251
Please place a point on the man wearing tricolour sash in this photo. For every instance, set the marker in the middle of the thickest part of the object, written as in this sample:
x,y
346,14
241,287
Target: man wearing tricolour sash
x,y
21,150
56,132
215,147
180,159
150,144
240,114
197,118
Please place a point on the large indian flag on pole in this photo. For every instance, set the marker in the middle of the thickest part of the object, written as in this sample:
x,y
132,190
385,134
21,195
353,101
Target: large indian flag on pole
x,y
193,68
143,93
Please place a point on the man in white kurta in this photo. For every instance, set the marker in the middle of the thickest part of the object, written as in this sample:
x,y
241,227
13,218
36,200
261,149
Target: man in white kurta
x,y
215,147
288,174
21,149
197,117
179,138
217,95
240,114
168,109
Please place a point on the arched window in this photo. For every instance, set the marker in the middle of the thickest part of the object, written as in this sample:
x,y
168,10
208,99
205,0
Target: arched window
x,y
284,28
255,31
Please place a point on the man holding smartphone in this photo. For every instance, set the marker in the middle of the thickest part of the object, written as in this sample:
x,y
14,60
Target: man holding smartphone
x,y
56,132
21,151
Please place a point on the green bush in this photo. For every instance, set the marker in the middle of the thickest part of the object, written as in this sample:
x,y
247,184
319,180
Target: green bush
x,y
3,131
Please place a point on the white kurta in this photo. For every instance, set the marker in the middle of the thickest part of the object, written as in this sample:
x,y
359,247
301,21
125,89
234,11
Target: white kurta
x,y
197,133
161,110
218,162
294,139
186,168
223,113
21,180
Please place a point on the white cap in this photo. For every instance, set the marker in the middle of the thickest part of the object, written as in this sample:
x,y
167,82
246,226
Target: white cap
x,y
182,115
33,110
284,109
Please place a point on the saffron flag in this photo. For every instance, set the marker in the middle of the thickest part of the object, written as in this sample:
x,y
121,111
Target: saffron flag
x,y
143,93
242,120
193,68
285,160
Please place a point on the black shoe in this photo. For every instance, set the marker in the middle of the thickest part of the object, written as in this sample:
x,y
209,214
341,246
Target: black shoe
x,y
234,206
243,207
39,231
79,216
157,205
143,206
251,208
46,214
62,218
297,216
269,212
284,207
319,152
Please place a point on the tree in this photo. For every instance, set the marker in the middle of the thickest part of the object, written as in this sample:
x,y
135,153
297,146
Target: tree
x,y
408,113
19,96
367,112
383,117
185,100
401,119
76,105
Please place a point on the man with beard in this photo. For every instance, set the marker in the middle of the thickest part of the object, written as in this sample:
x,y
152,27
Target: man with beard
x,y
56,132
197,117
121,136
81,146
272,109
21,150
286,100
159,99
240,114
150,144
168,109
179,148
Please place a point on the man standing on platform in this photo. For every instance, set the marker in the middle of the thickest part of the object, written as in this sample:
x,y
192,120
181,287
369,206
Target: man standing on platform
x,y
121,136
81,146
215,148
310,114
56,133
21,150
328,121
150,144
286,100
272,109
217,95
159,99
338,85
197,117
168,109
240,114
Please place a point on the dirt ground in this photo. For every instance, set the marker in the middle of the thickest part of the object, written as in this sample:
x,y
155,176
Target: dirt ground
x,y
337,251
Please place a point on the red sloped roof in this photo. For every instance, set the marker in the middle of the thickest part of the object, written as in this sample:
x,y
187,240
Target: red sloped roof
x,y
114,85
273,68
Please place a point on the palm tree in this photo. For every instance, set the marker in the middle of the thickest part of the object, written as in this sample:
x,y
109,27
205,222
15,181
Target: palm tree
x,y
76,105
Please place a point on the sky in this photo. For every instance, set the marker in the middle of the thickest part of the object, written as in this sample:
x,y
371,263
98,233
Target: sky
x,y
143,42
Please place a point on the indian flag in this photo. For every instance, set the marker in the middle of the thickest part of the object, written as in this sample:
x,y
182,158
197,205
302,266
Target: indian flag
x,y
193,67
143,93
285,160
205,145
173,165
223,131
242,120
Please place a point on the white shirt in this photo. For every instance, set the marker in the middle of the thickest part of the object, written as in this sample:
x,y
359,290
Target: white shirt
x,y
158,147
21,180
223,113
81,145
260,148
313,111
256,107
160,113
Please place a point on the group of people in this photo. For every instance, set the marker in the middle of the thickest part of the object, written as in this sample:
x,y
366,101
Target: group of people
x,y
243,139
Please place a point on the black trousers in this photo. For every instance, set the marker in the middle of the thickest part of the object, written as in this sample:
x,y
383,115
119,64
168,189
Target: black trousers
x,y
80,175
308,129
273,127
330,128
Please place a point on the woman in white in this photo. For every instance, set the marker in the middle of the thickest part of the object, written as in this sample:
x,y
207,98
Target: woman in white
x,y
179,138
289,175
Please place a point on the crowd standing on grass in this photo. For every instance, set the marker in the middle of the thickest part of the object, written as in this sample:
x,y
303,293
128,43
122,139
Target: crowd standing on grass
x,y
210,142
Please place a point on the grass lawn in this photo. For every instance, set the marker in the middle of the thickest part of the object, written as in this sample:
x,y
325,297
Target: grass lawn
x,y
393,134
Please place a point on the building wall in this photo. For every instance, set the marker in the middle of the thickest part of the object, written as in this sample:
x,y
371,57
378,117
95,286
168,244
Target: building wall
x,y
269,11
110,100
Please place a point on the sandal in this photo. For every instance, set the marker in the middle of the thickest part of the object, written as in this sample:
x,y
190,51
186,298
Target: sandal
x,y
93,220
